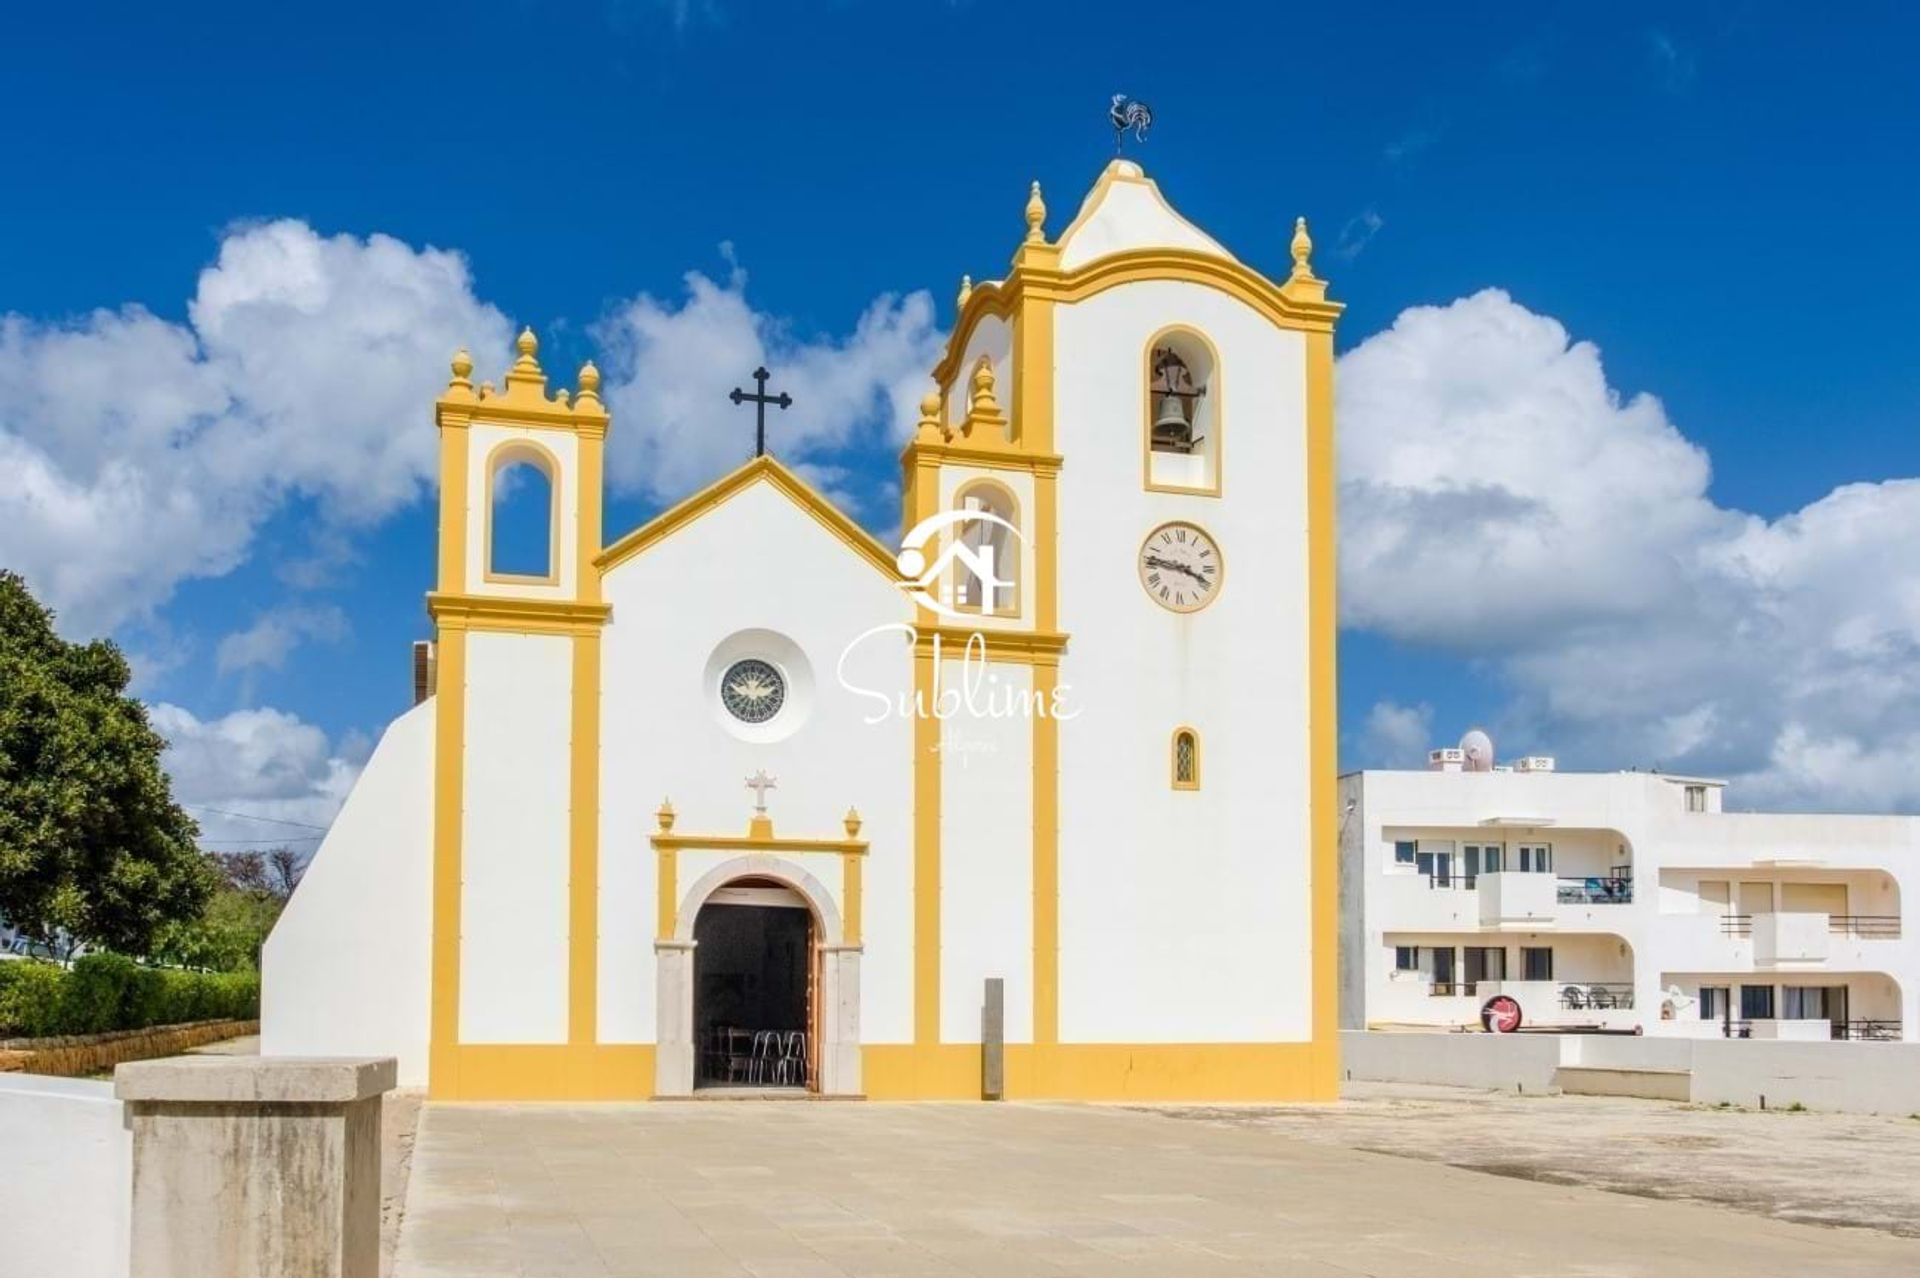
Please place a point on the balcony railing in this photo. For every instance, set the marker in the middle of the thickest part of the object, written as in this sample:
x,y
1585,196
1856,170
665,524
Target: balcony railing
x,y
1598,995
1736,925
1868,1031
1595,890
1465,882
1876,927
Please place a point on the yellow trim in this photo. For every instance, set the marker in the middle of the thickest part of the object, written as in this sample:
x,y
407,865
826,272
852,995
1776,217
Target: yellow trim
x,y
449,802
926,855
1213,384
1139,1072
547,1072
716,494
525,616
589,503
1022,647
1011,513
583,844
1046,859
1288,306
1322,705
758,838
505,454
454,445
1173,758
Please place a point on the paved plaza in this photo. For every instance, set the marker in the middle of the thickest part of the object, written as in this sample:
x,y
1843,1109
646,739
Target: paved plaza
x,y
810,1190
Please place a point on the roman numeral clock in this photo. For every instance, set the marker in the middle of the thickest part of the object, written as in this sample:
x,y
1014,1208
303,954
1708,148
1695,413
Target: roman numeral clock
x,y
1181,567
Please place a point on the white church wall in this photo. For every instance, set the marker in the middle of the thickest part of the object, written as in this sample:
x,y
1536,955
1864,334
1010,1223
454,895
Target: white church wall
x,y
1185,915
513,905
757,562
564,448
346,970
986,857
1130,215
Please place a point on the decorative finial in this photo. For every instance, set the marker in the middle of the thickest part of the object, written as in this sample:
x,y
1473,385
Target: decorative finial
x,y
983,399
589,383
526,369
928,427
1036,216
462,369
852,823
665,816
966,291
1125,113
1302,250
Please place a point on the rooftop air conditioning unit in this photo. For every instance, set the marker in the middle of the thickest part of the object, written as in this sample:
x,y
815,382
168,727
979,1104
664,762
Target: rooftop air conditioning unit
x,y
1447,759
1535,763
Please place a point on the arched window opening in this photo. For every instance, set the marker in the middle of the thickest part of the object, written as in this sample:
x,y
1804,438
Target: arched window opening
x,y
1186,759
521,515
991,549
1183,413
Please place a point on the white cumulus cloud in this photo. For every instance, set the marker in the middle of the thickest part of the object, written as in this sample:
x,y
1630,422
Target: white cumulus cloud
x,y
274,635
263,763
672,363
1501,500
140,452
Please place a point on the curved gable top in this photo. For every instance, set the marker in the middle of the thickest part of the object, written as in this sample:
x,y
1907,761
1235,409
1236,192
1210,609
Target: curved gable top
x,y
762,469
1125,211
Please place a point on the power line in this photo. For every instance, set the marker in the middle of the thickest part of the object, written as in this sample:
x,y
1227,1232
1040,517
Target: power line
x,y
249,816
305,838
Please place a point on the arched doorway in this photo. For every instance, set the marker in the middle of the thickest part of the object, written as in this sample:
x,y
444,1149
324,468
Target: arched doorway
x,y
755,986
834,1036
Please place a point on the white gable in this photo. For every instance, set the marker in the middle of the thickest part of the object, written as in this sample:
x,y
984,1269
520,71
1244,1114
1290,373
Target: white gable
x,y
1125,210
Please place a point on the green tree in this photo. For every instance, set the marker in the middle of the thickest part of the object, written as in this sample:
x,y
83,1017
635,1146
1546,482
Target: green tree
x,y
227,936
91,841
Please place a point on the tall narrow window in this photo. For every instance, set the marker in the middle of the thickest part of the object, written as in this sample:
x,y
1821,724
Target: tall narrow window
x,y
1186,759
987,574
1183,418
522,513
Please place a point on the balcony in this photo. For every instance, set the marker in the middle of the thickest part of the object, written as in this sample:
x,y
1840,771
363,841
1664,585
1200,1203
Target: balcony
x,y
1518,900
1599,889
1789,940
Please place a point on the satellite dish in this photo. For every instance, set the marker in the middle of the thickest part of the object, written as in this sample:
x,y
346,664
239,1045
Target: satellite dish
x,y
1478,747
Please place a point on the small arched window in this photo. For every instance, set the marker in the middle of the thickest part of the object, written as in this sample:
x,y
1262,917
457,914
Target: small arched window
x,y
522,534
988,542
1186,759
1183,413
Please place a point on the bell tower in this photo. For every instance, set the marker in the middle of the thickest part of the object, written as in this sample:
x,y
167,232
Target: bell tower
x,y
516,743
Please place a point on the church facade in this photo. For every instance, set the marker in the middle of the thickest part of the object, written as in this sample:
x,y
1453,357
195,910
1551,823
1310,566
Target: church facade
x,y
747,798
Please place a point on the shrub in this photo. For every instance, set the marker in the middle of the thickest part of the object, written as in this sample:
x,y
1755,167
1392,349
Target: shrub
x,y
104,992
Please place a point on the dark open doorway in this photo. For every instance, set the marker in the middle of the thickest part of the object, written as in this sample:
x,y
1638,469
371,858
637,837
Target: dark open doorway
x,y
753,988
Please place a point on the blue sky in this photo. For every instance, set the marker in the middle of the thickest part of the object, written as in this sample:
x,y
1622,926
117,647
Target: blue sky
x,y
1719,200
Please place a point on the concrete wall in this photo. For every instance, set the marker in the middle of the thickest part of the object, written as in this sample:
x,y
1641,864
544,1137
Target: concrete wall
x,y
66,1191
1856,1078
1513,1062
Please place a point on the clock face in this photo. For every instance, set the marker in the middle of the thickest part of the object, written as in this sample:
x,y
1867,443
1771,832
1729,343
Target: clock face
x,y
753,690
1180,567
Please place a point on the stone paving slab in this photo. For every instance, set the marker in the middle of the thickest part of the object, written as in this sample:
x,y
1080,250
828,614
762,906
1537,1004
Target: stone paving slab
x,y
903,1191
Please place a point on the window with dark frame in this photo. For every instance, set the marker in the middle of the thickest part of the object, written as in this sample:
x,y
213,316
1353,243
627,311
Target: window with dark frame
x,y
1536,962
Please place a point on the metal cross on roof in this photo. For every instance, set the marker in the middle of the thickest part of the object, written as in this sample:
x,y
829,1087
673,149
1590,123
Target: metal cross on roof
x,y
760,400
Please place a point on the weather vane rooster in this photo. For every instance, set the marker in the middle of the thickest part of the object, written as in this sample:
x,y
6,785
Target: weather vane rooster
x,y
1129,113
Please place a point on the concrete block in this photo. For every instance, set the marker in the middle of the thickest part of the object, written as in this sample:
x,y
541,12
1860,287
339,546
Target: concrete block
x,y
245,1166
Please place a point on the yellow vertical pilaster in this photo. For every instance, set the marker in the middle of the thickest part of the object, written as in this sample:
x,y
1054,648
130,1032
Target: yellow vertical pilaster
x,y
852,887
1323,618
450,709
583,858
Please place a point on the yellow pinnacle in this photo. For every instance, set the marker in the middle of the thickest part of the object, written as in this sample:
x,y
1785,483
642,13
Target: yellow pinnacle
x,y
589,380
462,368
1036,216
983,400
966,291
929,424
1302,250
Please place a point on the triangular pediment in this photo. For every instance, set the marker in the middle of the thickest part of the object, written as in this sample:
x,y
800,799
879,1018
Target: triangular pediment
x,y
761,470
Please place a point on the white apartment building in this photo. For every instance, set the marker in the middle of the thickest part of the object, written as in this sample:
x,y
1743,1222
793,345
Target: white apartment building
x,y
1524,897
